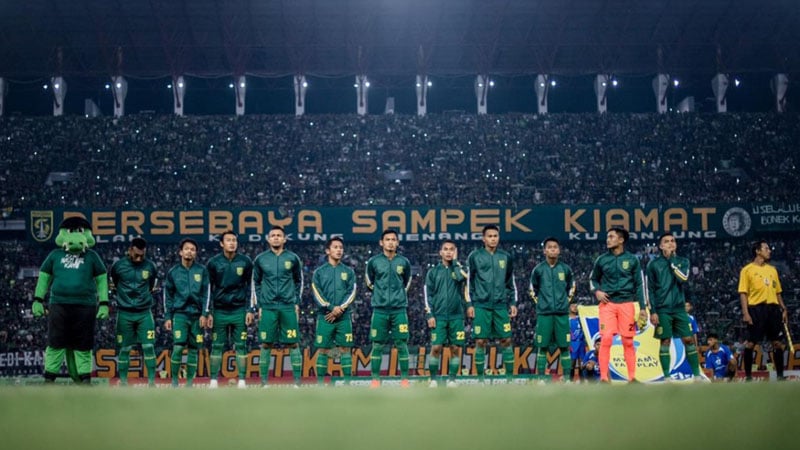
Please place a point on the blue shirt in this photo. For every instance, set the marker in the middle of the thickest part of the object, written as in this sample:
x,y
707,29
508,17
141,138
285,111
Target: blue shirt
x,y
592,356
718,361
577,344
693,324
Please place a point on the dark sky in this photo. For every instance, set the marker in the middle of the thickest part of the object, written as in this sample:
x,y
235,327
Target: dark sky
x,y
337,95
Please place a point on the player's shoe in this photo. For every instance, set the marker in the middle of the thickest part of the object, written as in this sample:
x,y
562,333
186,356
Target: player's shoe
x,y
241,384
433,384
501,371
374,384
452,384
213,384
404,383
264,386
702,378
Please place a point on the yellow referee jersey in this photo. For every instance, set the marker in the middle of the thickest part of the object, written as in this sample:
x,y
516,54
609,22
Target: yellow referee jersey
x,y
760,283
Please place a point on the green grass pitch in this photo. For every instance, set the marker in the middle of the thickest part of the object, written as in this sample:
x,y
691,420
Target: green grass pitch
x,y
709,416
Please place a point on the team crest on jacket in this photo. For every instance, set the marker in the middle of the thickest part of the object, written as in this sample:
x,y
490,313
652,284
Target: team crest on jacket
x,y
145,274
626,265
198,277
343,275
399,270
502,263
239,271
561,276
287,265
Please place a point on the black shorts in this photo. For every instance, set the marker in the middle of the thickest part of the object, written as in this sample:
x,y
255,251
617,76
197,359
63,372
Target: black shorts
x,y
71,326
767,323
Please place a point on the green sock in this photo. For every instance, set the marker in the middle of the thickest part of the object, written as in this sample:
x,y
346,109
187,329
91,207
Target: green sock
x,y
347,365
566,364
297,363
216,360
241,360
433,366
175,363
455,366
263,364
149,353
322,367
402,358
375,360
123,363
664,357
694,360
541,361
191,365
480,361
508,361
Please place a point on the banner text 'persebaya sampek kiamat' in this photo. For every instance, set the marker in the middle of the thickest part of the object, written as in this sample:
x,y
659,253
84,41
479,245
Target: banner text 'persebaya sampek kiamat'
x,y
365,224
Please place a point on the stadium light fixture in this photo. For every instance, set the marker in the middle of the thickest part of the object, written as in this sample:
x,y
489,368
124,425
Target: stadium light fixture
x,y
305,84
45,87
491,83
430,83
169,86
119,85
355,85
241,85
736,82
614,83
56,86
480,85
108,86
230,86
366,84
676,83
553,83
180,85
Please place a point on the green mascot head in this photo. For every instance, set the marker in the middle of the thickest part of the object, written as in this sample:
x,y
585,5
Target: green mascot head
x,y
75,235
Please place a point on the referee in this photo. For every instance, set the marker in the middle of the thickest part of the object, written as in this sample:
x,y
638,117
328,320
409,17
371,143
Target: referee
x,y
763,309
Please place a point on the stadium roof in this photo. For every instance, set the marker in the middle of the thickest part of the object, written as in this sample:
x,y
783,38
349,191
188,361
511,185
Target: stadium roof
x,y
156,38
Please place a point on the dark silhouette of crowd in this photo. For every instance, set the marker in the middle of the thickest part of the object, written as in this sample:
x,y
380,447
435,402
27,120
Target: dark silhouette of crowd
x,y
148,161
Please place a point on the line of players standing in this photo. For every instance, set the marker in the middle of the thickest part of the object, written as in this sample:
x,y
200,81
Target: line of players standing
x,y
232,292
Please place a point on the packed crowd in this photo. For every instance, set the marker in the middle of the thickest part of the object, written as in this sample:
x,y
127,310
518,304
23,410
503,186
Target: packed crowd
x,y
148,161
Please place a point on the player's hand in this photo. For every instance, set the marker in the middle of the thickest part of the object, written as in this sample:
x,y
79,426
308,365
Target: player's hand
x,y
168,325
249,318
654,319
601,296
37,309
334,314
432,322
747,319
203,321
785,316
210,321
512,311
642,319
102,312
471,312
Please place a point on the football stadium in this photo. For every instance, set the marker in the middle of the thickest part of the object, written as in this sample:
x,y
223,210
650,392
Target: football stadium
x,y
399,224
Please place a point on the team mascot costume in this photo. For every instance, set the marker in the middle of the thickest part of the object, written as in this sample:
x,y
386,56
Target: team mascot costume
x,y
75,277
